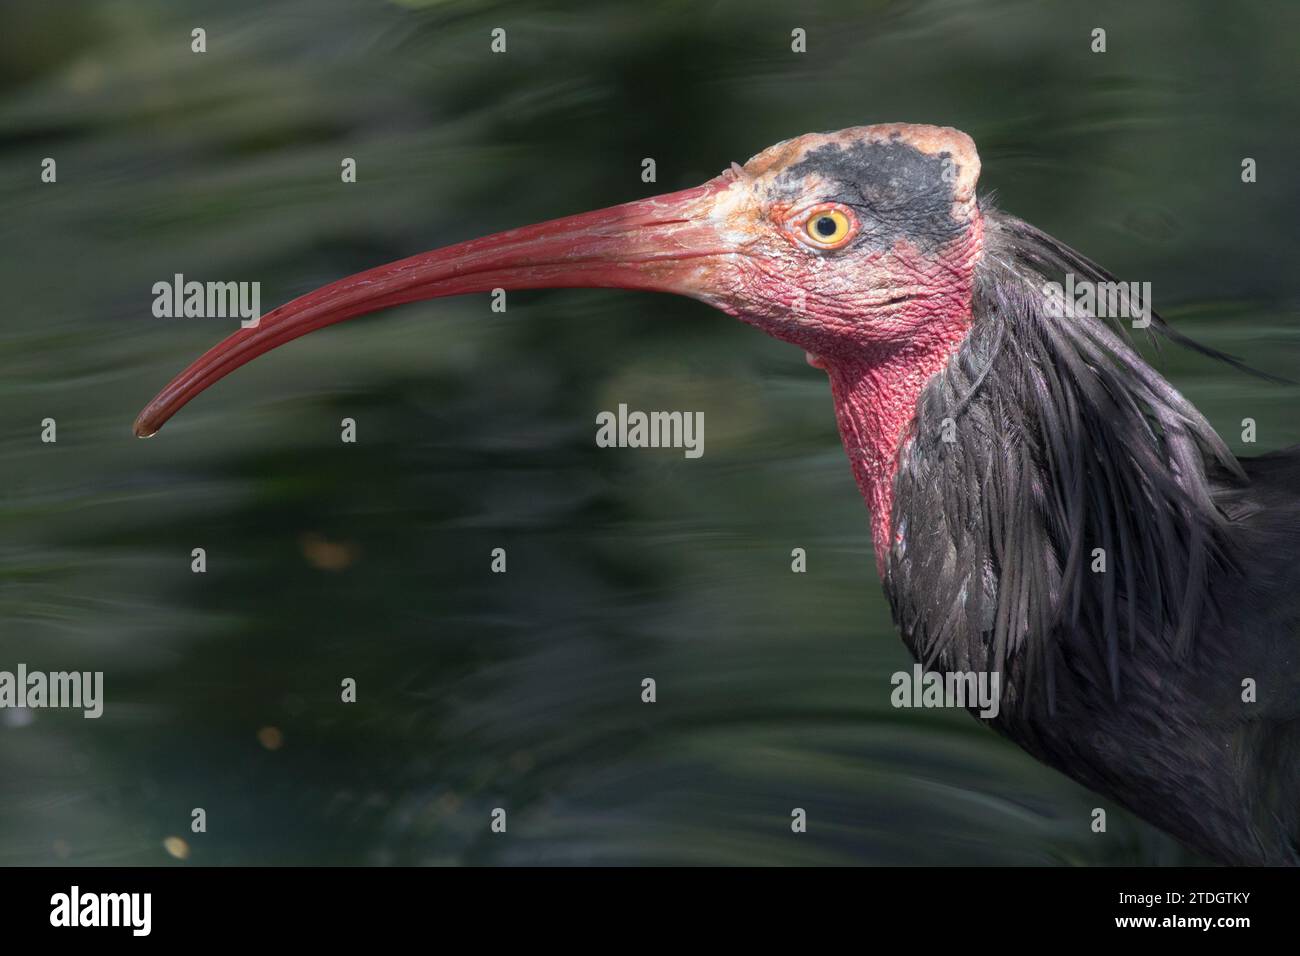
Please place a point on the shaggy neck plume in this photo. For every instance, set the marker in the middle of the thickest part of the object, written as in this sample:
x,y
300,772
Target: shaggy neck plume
x,y
876,388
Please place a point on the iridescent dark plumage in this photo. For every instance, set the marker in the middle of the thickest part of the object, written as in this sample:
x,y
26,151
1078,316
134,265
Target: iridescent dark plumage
x,y
1129,680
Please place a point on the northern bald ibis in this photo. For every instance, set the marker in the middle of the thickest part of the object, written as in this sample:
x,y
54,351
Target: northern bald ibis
x,y
1003,440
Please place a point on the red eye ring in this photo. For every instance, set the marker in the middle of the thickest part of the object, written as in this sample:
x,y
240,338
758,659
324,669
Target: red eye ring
x,y
825,226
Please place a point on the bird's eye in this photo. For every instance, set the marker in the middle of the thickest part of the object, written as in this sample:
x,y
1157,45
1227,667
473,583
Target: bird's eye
x,y
827,227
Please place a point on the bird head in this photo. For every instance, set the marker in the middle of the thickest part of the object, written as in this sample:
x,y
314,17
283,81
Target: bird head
x,y
851,244
854,245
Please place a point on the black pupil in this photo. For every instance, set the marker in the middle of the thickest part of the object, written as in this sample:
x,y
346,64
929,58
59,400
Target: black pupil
x,y
825,226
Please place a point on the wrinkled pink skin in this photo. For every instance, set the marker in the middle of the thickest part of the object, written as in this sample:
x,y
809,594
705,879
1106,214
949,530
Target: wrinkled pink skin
x,y
880,322
878,356
876,390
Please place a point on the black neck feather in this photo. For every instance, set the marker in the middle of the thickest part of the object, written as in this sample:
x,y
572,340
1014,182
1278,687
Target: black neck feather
x,y
1046,438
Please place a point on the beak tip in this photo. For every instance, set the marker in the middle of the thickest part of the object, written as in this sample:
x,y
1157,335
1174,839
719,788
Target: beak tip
x,y
143,429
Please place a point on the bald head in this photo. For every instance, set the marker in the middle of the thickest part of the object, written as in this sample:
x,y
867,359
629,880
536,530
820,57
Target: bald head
x,y
911,182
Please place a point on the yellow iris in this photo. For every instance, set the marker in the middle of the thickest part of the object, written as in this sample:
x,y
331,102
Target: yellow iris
x,y
827,227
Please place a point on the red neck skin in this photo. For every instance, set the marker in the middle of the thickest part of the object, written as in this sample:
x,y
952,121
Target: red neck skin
x,y
877,387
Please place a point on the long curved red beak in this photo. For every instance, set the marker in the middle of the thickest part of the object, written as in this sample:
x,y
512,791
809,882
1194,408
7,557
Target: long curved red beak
x,y
665,244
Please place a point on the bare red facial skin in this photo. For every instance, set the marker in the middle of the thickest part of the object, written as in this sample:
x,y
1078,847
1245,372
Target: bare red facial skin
x,y
901,316
876,390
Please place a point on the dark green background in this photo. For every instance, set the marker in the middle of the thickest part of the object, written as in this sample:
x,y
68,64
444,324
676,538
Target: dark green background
x,y
476,429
